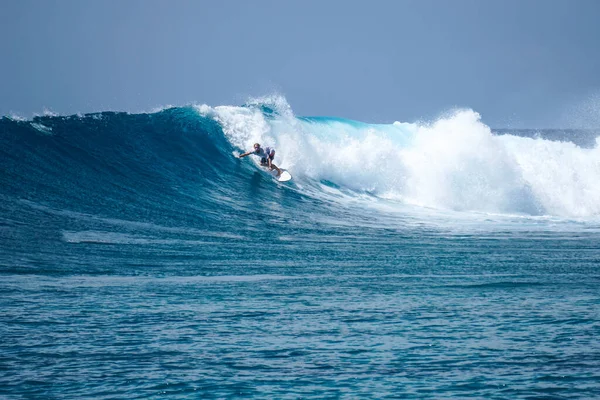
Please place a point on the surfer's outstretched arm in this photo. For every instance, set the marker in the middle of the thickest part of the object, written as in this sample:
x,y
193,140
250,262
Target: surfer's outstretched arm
x,y
245,154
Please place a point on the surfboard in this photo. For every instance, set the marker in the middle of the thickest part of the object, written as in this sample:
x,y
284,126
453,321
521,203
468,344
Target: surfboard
x,y
284,177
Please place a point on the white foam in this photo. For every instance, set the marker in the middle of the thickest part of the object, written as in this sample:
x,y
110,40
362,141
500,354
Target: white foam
x,y
16,117
49,113
454,163
46,130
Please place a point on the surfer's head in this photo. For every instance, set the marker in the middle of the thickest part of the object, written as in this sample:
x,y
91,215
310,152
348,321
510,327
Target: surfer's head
x,y
256,146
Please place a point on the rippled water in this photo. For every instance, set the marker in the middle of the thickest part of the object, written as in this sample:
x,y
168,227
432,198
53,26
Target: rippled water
x,y
390,316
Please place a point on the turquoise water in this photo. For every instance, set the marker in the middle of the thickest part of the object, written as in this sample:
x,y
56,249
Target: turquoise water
x,y
140,259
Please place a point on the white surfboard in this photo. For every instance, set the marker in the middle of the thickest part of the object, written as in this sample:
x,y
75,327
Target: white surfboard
x,y
284,177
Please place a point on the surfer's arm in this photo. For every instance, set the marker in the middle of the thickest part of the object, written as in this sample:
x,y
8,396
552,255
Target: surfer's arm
x,y
245,154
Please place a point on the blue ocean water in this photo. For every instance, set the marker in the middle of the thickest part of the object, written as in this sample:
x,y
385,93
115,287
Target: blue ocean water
x,y
139,258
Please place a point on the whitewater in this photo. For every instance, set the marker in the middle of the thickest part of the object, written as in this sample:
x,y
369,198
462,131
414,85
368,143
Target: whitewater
x,y
140,258
454,163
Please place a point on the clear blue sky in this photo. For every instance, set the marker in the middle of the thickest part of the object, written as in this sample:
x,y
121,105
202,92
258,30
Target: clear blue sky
x,y
520,63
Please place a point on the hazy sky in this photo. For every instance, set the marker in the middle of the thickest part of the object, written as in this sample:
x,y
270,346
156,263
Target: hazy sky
x,y
520,63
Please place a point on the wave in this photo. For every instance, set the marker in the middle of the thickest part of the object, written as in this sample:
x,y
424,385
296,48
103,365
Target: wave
x,y
179,160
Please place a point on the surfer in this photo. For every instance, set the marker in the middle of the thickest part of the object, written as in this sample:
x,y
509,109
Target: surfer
x,y
266,156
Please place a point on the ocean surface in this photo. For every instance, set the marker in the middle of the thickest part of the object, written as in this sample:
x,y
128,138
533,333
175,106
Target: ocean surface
x,y
139,258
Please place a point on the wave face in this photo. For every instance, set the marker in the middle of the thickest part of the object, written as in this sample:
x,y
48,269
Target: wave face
x,y
113,160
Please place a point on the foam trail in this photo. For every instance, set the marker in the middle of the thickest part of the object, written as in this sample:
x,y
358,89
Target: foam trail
x,y
455,163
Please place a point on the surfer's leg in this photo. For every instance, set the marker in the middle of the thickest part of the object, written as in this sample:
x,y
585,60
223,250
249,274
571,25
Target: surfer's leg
x,y
273,166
